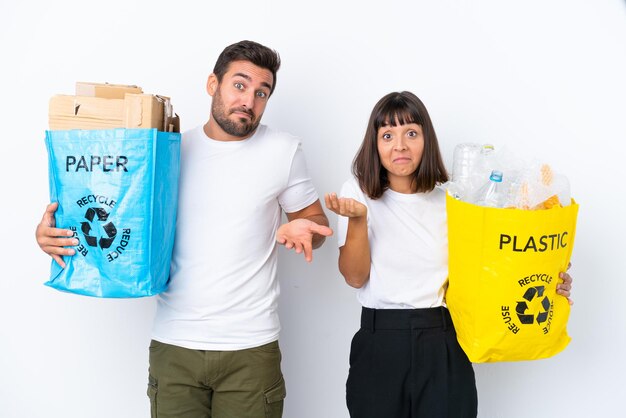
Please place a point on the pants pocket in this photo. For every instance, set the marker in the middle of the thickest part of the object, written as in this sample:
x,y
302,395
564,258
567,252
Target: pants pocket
x,y
274,399
153,388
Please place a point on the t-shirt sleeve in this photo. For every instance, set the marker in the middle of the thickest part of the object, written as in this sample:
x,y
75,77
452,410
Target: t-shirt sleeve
x,y
300,191
349,189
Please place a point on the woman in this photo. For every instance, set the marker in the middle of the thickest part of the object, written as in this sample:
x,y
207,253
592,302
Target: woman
x,y
405,360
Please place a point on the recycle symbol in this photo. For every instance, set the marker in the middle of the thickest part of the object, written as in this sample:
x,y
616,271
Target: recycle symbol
x,y
533,294
96,227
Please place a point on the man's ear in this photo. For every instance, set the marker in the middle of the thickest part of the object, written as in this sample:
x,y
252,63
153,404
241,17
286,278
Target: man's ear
x,y
211,84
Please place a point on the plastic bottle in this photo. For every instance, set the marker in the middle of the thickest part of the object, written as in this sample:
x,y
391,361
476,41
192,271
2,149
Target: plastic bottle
x,y
488,152
466,158
485,165
490,194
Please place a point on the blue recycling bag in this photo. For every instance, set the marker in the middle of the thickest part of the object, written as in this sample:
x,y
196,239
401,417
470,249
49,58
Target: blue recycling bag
x,y
118,191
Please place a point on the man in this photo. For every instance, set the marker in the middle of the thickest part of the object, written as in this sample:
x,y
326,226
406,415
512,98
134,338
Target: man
x,y
215,339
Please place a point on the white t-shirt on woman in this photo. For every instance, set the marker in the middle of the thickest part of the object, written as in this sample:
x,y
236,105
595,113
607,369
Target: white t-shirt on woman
x,y
408,245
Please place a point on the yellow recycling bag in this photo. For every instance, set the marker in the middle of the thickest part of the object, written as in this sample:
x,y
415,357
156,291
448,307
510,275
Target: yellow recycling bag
x,y
504,266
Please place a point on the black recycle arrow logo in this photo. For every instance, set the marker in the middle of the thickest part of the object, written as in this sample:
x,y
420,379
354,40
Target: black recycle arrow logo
x,y
95,227
522,306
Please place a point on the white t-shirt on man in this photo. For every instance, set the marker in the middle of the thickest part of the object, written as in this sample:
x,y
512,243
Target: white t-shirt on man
x,y
408,246
223,290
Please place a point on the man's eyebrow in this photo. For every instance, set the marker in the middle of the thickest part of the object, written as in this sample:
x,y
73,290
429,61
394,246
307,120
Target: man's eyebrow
x,y
247,77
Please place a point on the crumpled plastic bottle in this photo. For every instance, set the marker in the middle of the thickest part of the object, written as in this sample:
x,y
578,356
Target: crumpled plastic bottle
x,y
490,194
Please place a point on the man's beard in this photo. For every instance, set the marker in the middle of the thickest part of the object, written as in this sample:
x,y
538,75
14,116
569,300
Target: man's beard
x,y
242,129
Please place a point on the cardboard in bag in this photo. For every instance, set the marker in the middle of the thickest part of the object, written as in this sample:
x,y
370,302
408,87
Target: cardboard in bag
x,y
113,164
109,106
105,90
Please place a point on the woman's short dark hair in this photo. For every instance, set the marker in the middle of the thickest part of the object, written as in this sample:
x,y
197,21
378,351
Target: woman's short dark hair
x,y
398,108
251,51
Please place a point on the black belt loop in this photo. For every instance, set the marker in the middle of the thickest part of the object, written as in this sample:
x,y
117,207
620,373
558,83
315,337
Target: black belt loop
x,y
398,319
368,319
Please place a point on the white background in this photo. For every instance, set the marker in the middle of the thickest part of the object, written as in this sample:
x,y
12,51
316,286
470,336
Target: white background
x,y
546,78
